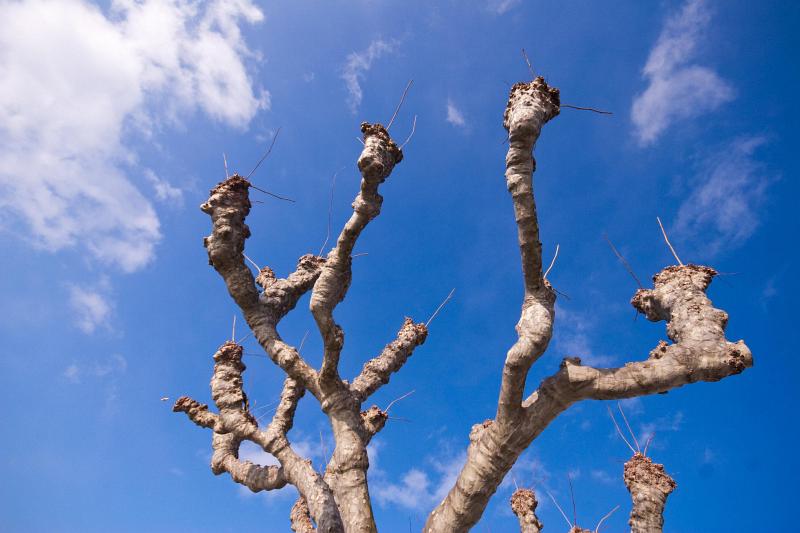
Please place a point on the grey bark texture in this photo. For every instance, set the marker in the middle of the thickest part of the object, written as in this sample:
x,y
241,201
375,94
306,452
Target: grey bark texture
x,y
649,486
523,505
338,500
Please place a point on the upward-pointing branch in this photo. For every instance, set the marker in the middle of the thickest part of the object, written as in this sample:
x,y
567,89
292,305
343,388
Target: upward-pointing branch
x,y
378,158
530,106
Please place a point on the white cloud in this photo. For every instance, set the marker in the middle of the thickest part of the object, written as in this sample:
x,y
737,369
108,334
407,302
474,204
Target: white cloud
x,y
502,6
649,430
416,489
724,203
356,67
72,374
106,373
454,115
79,83
676,89
92,308
164,191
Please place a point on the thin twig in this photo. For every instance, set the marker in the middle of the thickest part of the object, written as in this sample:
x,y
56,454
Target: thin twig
x,y
597,529
250,354
625,418
330,212
406,395
624,262
258,268
647,444
400,104
269,150
553,262
574,507
233,330
240,341
587,109
528,61
303,341
668,243
324,451
360,140
619,431
272,194
360,254
440,307
559,508
225,161
413,129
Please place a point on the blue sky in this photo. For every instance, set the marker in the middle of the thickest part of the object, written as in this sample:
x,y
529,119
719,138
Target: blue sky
x,y
113,122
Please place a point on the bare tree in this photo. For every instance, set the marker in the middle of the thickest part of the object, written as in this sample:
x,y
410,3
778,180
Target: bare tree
x,y
338,499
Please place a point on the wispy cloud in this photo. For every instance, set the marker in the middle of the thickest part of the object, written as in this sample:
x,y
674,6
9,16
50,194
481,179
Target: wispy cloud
x,y
164,191
454,115
572,334
724,204
358,64
92,307
80,85
677,89
106,372
417,489
502,6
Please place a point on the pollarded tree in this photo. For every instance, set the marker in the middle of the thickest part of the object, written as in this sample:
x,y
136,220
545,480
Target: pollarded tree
x,y
339,499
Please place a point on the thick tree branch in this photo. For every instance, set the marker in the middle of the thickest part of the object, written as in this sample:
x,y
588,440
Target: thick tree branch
x,y
346,474
700,353
530,106
376,372
378,158
228,205
235,423
523,504
649,486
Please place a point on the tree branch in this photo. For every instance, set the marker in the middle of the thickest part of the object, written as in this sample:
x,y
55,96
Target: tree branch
x,y
649,486
228,205
377,371
378,158
235,423
530,106
523,504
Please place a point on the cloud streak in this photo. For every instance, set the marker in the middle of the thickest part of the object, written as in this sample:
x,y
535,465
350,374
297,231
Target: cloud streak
x,y
724,203
356,67
677,89
454,115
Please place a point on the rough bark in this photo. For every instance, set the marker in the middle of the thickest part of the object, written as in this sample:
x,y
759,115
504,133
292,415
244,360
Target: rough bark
x,y
376,372
234,423
523,504
649,486
347,471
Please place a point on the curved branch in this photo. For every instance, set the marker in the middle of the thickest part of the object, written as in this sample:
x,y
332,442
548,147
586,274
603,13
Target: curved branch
x,y
700,353
378,158
235,423
530,106
228,205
